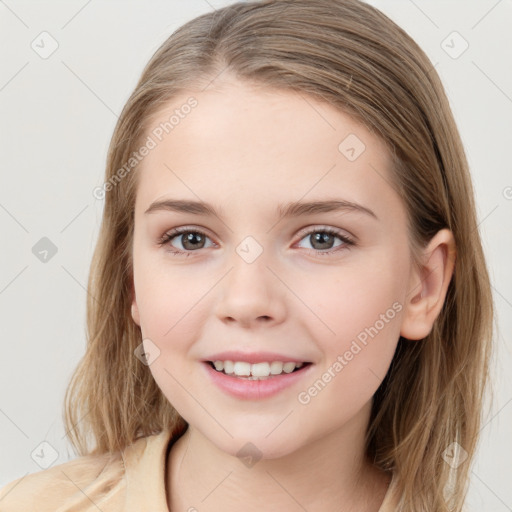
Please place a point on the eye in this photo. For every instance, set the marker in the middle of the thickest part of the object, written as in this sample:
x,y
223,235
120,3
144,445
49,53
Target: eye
x,y
191,240
322,239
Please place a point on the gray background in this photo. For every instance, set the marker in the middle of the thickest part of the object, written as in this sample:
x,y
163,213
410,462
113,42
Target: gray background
x,y
57,116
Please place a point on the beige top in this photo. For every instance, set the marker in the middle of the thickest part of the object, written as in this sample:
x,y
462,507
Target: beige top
x,y
129,481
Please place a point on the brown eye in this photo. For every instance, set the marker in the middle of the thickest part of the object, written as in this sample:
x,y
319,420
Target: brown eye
x,y
192,240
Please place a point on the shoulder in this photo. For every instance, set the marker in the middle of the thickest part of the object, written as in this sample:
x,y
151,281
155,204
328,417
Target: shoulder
x,y
91,480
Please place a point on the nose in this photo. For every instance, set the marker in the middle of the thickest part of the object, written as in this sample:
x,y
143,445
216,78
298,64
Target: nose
x,y
251,295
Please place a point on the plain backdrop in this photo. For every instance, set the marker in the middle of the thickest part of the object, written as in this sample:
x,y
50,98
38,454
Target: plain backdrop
x,y
57,115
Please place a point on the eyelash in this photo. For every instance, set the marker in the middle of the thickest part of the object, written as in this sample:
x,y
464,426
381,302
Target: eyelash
x,y
167,237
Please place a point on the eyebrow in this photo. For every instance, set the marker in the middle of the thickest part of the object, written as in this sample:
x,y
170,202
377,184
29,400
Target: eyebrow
x,y
292,209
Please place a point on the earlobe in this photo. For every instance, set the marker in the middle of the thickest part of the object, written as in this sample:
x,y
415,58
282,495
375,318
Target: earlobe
x,y
135,313
135,308
428,286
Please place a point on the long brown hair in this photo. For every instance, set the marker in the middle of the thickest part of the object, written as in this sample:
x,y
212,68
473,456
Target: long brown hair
x,y
352,56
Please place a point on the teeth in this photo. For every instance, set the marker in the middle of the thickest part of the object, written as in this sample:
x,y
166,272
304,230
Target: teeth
x,y
276,367
288,367
242,369
260,370
219,365
228,367
257,370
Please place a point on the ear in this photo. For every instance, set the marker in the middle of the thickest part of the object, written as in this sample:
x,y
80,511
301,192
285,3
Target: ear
x,y
135,308
428,286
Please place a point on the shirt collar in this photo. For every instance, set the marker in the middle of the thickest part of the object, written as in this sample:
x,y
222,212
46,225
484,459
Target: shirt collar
x,y
145,471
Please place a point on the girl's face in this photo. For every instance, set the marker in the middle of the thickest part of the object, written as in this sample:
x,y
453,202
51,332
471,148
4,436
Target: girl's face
x,y
306,259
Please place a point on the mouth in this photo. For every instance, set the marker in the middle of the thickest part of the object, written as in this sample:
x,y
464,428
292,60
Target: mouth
x,y
257,371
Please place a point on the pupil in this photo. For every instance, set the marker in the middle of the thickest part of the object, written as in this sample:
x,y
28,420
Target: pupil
x,y
189,238
323,238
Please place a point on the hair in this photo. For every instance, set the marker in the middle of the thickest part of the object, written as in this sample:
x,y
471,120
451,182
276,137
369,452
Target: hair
x,y
352,56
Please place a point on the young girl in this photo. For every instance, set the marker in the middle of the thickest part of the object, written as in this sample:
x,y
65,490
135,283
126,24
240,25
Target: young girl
x,y
289,306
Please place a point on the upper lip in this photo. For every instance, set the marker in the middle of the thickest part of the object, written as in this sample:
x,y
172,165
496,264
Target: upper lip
x,y
253,357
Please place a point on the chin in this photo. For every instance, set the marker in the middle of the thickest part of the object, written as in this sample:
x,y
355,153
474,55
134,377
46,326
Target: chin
x,y
258,447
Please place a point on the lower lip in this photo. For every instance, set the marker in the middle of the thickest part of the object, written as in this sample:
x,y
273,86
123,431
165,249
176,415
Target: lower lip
x,y
254,389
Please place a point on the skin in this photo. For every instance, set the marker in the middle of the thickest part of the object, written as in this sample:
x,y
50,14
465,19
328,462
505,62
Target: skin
x,y
245,150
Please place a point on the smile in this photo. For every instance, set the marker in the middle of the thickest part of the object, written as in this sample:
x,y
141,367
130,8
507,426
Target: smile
x,y
255,371
255,381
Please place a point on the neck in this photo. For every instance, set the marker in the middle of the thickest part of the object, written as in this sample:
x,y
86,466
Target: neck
x,y
327,474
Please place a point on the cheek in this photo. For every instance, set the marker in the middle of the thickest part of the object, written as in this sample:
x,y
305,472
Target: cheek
x,y
357,316
353,297
167,299
364,312
170,305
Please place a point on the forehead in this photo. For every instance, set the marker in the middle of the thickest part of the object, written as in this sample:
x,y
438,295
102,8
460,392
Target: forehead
x,y
239,143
